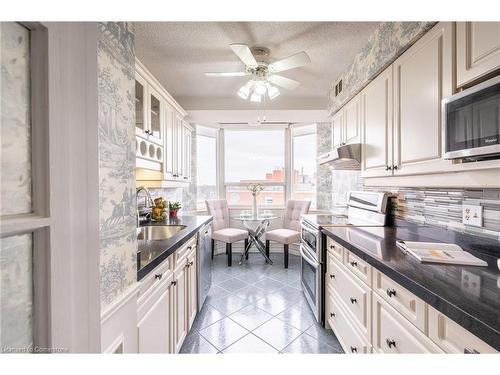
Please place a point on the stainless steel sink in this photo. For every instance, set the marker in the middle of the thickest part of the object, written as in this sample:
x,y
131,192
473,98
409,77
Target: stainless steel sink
x,y
158,232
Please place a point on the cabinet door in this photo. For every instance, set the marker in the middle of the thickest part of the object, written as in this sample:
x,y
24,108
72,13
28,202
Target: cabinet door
x,y
376,118
422,78
178,131
351,121
187,137
337,125
180,303
169,153
154,328
192,288
140,106
156,116
478,50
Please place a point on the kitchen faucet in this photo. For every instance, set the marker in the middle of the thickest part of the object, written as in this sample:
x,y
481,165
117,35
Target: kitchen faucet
x,y
149,204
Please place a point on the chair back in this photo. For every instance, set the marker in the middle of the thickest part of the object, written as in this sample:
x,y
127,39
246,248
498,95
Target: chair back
x,y
219,210
294,209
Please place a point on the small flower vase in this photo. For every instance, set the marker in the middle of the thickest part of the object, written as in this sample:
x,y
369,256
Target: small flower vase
x,y
255,208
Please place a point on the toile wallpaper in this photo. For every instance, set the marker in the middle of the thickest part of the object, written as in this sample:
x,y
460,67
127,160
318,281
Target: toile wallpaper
x,y
116,95
388,42
324,174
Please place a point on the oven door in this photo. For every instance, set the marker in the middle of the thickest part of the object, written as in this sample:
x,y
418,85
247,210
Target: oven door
x,y
309,235
310,271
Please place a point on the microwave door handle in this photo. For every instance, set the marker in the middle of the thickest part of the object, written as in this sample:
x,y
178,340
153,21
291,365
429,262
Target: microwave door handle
x,y
308,258
308,227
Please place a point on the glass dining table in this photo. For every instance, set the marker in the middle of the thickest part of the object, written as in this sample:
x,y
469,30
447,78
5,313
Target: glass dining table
x,y
256,226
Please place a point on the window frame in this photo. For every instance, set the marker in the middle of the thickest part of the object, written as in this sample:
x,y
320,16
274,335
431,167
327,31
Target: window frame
x,y
205,131
288,159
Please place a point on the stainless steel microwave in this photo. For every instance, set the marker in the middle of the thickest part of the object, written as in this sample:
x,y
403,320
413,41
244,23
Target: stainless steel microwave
x,y
471,122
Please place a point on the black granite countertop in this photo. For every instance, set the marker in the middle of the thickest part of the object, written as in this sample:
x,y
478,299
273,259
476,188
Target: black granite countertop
x,y
151,253
469,295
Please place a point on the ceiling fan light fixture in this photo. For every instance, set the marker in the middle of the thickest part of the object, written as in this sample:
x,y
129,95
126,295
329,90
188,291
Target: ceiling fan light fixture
x,y
273,92
260,88
255,98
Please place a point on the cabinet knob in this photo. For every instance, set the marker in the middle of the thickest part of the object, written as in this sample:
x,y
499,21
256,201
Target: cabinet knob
x,y
387,168
332,276
332,314
332,246
174,283
394,167
158,276
390,343
354,349
391,292
190,247
354,300
185,178
354,263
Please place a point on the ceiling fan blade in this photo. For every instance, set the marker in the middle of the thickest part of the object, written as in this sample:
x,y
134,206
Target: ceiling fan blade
x,y
245,55
284,82
290,62
226,74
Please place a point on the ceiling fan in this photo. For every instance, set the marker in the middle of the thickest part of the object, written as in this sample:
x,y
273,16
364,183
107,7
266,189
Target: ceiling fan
x,y
263,73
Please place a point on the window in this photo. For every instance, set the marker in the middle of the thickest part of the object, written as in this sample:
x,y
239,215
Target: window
x,y
304,163
206,145
255,155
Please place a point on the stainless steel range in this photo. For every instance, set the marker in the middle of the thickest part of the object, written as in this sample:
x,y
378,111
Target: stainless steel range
x,y
364,209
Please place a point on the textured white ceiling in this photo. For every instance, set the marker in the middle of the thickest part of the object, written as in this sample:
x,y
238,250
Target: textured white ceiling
x,y
178,53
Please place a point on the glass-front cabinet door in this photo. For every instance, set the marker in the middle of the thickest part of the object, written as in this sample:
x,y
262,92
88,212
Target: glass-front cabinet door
x,y
156,117
140,98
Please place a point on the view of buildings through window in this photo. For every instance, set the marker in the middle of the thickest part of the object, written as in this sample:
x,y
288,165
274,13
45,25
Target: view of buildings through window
x,y
257,156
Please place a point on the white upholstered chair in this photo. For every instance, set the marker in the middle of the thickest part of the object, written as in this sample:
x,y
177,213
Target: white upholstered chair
x,y
221,231
290,233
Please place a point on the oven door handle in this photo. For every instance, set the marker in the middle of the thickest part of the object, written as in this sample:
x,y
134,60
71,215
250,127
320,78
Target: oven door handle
x,y
308,258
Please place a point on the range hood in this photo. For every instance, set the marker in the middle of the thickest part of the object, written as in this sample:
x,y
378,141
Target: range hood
x,y
344,157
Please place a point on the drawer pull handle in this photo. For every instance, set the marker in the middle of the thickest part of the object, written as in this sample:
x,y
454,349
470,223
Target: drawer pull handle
x,y
354,263
391,292
332,276
470,351
332,315
354,300
190,247
174,283
332,246
354,349
158,276
390,343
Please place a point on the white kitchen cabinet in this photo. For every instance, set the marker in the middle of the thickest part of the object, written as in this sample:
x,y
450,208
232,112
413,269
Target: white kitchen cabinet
x,y
140,105
392,333
452,338
422,78
179,303
192,288
170,152
478,50
376,120
337,127
156,117
154,329
352,120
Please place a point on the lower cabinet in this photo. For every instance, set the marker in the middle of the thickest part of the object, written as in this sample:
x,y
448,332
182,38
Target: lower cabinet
x,y
167,305
154,327
179,293
392,333
371,313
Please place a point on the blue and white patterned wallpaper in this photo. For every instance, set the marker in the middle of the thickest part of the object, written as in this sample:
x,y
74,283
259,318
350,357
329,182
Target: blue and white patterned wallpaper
x,y
388,42
116,101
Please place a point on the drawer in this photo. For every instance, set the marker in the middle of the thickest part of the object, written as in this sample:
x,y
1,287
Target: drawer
x,y
350,339
358,267
392,333
405,302
453,338
335,249
356,297
155,277
181,254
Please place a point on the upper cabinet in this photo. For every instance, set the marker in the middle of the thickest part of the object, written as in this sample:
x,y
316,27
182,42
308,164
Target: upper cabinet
x,y
162,134
478,50
376,119
346,123
401,109
422,78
